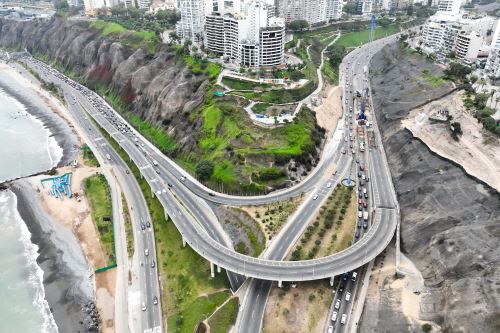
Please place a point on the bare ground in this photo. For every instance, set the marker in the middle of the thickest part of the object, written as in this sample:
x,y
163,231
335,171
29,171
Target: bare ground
x,y
330,110
299,310
478,159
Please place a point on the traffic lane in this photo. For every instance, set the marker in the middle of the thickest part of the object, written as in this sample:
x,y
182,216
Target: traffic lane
x,y
251,320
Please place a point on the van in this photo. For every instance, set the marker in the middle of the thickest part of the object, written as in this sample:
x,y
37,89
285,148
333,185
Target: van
x,y
343,319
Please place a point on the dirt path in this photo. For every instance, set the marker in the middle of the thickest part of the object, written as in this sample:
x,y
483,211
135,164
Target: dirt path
x,y
330,110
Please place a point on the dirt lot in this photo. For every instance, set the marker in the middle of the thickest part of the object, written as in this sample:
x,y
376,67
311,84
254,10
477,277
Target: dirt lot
x,y
329,112
478,159
299,310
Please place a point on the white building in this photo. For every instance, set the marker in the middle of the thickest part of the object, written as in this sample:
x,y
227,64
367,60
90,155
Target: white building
x,y
364,7
333,9
143,4
252,38
451,7
467,45
91,6
191,24
493,62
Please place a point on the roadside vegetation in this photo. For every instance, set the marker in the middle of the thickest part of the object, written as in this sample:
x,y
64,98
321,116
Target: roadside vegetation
x,y
225,317
332,229
129,232
89,158
188,294
273,216
98,194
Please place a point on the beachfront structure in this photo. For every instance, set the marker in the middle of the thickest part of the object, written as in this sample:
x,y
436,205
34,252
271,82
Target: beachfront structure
x,y
493,62
252,38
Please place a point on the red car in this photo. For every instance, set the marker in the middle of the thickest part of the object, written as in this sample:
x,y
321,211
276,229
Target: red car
x,y
360,201
365,204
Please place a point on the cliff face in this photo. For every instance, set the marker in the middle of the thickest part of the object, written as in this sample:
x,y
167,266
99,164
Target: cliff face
x,y
450,225
159,86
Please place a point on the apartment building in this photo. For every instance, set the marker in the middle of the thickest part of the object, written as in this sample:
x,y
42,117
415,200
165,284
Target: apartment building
x,y
191,24
493,63
312,11
91,6
451,7
252,38
333,9
467,45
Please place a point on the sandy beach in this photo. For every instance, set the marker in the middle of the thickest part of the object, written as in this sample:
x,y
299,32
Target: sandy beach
x,y
67,282
42,108
68,241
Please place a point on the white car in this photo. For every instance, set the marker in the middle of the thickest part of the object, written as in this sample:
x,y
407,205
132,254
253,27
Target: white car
x,y
143,307
343,319
330,329
329,185
354,276
347,296
360,214
334,316
146,252
315,197
337,304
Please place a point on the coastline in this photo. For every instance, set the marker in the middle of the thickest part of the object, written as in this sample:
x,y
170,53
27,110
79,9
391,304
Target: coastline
x,y
67,276
27,95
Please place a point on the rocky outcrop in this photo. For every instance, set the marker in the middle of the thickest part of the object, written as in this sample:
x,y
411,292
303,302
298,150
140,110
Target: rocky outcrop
x,y
450,224
159,87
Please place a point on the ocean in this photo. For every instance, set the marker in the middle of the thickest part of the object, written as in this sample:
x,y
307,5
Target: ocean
x,y
26,147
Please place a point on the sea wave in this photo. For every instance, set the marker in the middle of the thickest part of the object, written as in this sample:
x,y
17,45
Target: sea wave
x,y
35,276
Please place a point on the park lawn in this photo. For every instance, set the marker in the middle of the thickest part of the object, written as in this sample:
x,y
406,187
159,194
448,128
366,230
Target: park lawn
x,y
99,197
355,39
188,319
330,73
107,28
225,317
243,84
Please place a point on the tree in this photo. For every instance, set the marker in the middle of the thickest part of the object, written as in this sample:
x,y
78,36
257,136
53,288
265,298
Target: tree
x,y
426,327
349,8
204,170
298,25
456,130
61,4
457,72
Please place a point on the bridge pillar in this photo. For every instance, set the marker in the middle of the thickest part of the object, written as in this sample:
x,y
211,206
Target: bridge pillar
x,y
152,193
280,284
331,280
218,269
212,271
183,242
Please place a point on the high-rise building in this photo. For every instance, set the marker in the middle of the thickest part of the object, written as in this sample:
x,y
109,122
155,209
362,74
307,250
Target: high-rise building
x,y
251,38
467,45
333,9
312,11
91,6
450,7
191,24
493,62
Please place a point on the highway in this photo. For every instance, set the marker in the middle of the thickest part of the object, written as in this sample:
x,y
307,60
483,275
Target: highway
x,y
195,234
199,226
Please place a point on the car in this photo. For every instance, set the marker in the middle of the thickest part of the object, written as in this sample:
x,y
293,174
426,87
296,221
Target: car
x,y
143,307
363,176
157,171
143,227
158,192
359,224
357,234
127,172
334,173
343,151
329,185
354,276
366,195
360,195
315,197
360,201
169,185
360,214
155,300
345,276
347,296
365,225
330,329
367,179
337,304
146,252
153,264
182,178
148,224
365,204
357,161
343,319
361,183
211,194
341,289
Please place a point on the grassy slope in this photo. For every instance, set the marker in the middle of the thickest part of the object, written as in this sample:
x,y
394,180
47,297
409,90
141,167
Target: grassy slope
x,y
184,275
233,143
224,317
354,39
99,197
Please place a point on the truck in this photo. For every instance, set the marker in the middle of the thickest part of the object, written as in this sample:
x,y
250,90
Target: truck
x,y
365,216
